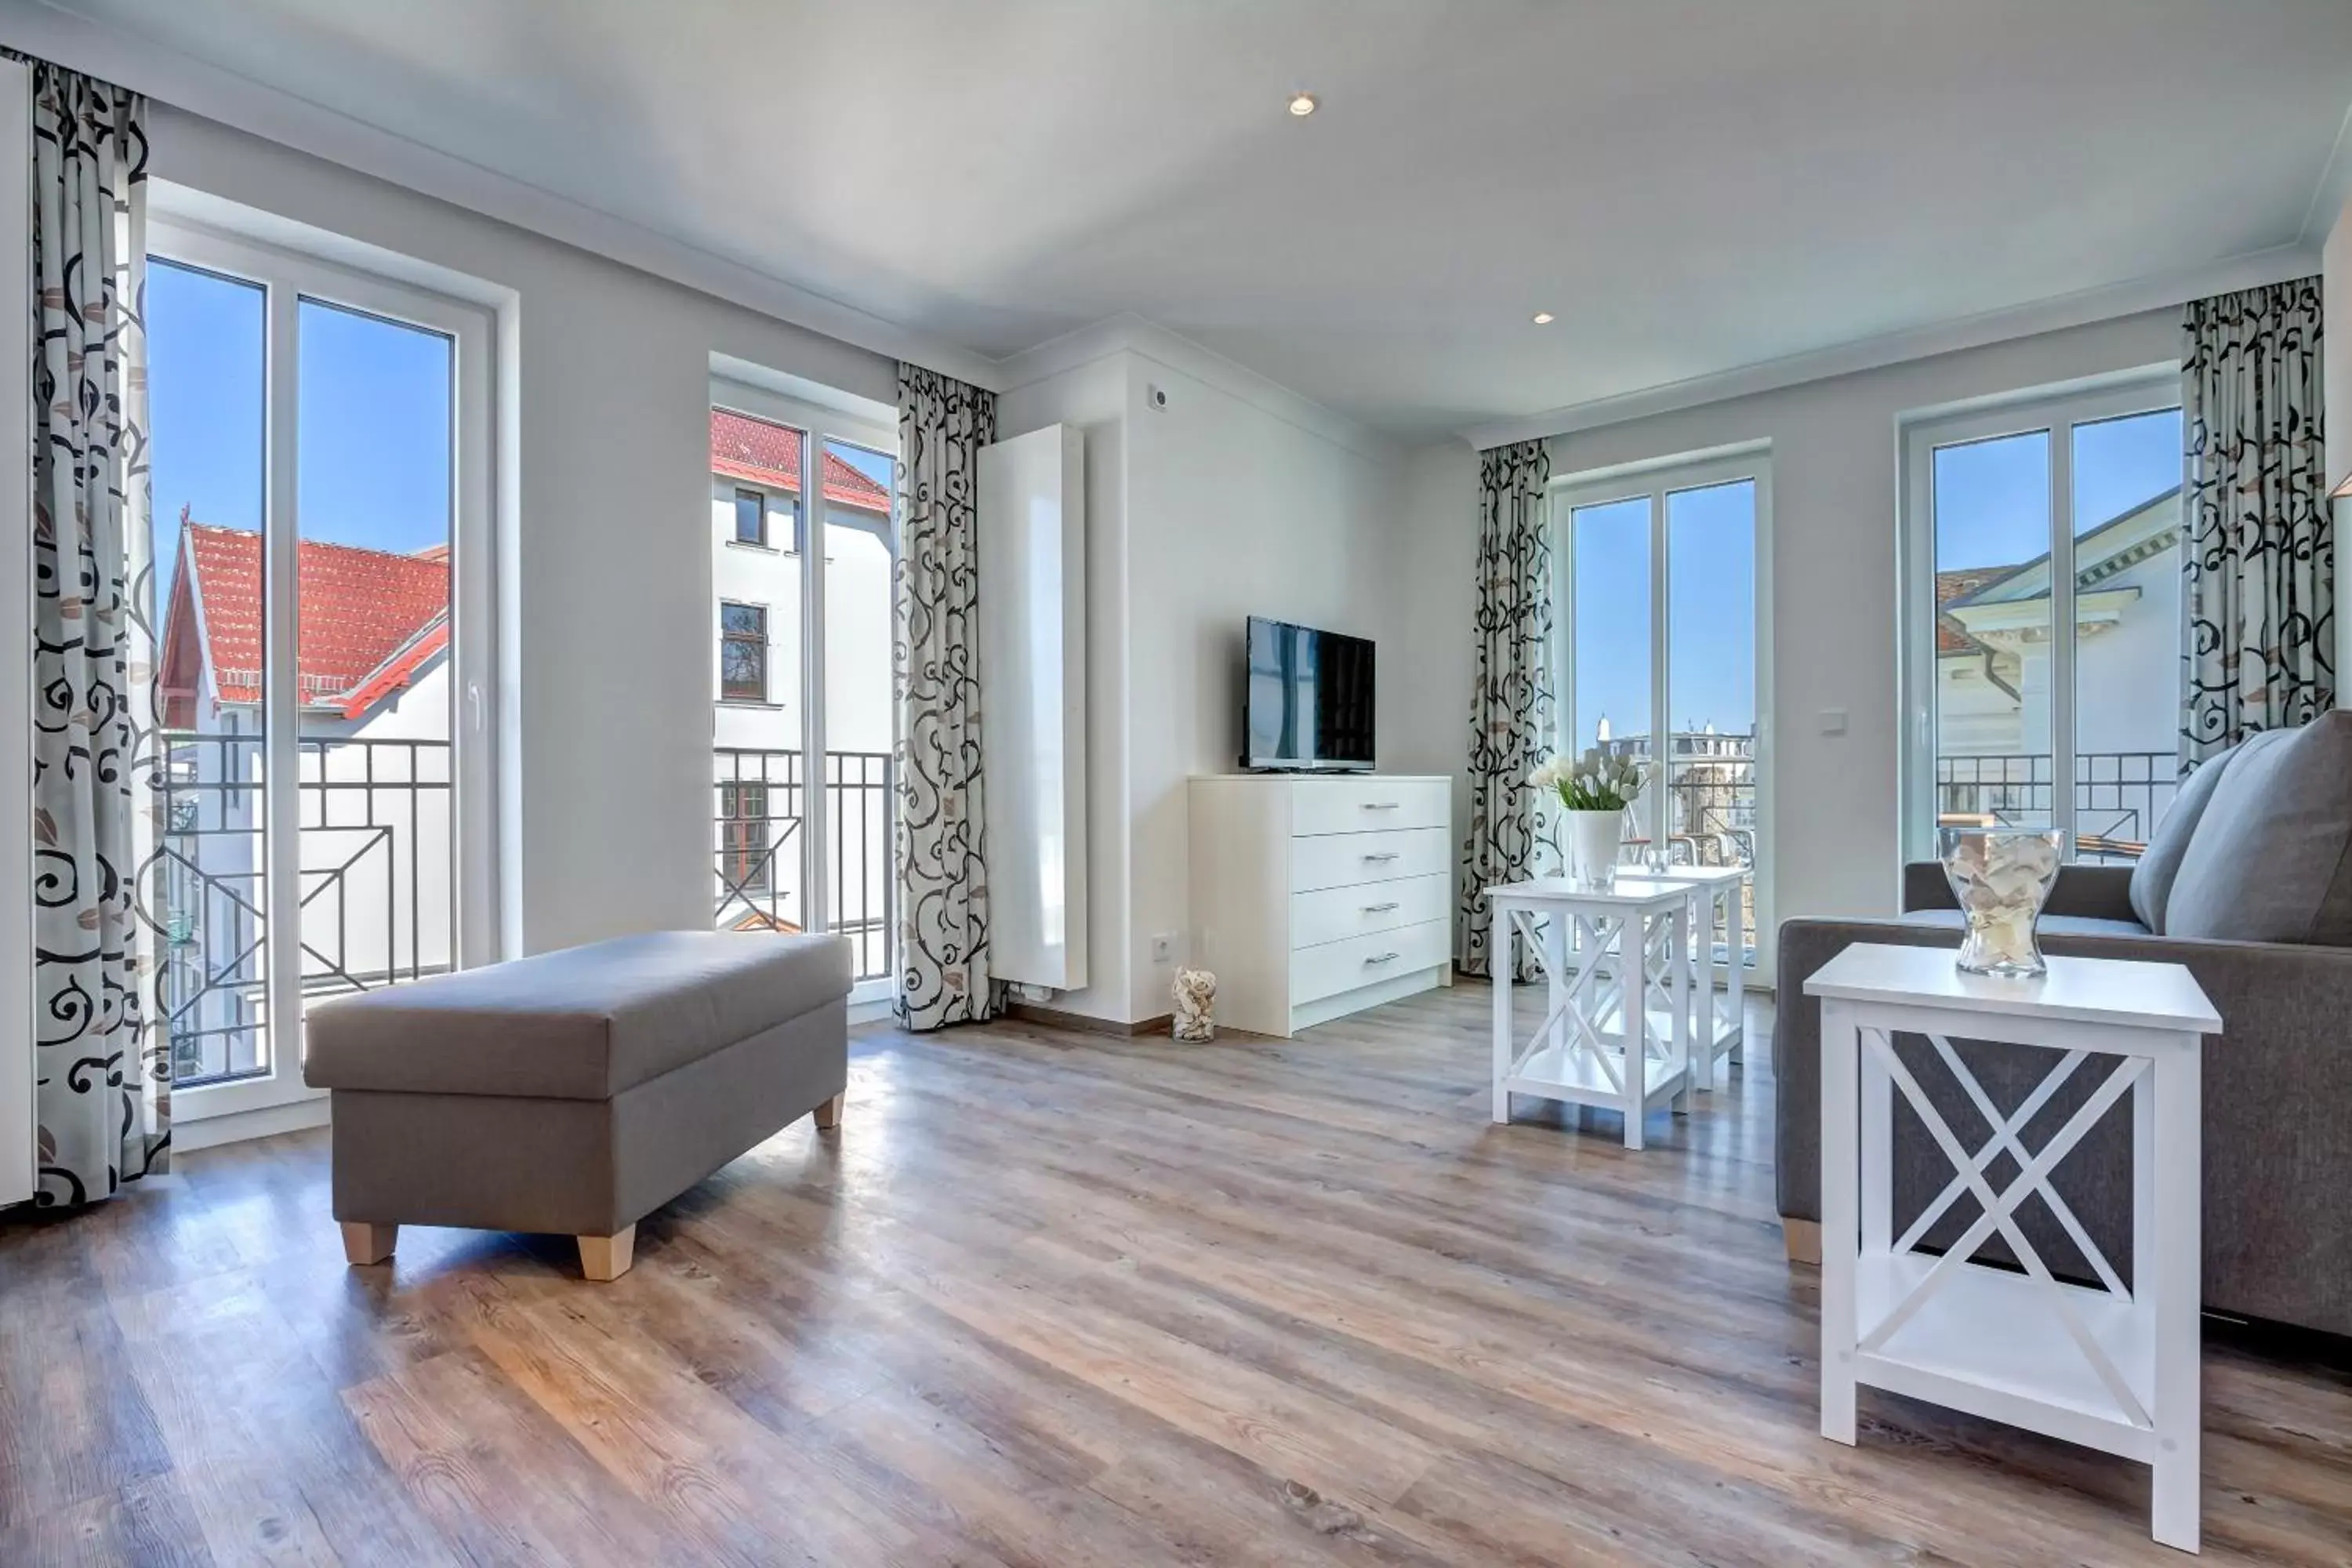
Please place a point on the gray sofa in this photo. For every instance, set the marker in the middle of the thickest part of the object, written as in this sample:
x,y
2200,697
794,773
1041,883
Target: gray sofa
x,y
2247,882
576,1091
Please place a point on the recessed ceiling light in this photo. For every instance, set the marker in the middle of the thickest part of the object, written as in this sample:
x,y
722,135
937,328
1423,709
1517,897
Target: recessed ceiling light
x,y
1543,318
1303,104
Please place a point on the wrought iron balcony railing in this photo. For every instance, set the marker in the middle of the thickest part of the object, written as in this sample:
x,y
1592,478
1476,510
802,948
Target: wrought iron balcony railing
x,y
2118,795
759,846
373,873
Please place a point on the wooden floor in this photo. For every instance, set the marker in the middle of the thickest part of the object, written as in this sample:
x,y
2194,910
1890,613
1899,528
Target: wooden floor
x,y
1058,1299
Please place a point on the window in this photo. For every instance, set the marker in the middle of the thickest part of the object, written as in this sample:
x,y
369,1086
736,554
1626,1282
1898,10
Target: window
x,y
743,826
743,653
807,714
751,517
320,464
1660,657
2043,619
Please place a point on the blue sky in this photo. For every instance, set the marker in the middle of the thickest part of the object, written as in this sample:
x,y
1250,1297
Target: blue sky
x,y
1993,509
373,463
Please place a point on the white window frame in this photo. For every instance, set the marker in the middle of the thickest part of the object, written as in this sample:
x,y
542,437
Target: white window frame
x,y
818,425
289,276
2057,411
1654,479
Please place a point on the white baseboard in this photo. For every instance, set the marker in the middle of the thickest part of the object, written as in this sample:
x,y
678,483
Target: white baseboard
x,y
237,1126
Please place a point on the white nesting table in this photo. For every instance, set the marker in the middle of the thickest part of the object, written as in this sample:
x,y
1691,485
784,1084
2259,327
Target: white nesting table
x,y
2110,1368
1616,1031
1719,989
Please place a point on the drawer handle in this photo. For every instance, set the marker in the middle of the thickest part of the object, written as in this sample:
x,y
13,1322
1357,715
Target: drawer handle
x,y
1381,804
1383,958
1378,908
1391,854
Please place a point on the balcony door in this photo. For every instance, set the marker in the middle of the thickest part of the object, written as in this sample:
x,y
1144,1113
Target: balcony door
x,y
319,465
2042,622
803,544
1662,656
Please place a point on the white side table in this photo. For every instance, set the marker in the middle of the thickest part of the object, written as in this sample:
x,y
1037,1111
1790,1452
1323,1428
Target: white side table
x,y
2110,1368
1616,1032
1720,1029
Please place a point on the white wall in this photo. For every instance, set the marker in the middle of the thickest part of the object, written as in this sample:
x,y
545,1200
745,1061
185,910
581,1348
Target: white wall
x,y
1834,522
610,679
1202,512
1232,512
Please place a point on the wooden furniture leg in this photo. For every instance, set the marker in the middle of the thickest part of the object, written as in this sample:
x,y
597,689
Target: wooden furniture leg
x,y
828,1115
605,1259
364,1244
1803,1240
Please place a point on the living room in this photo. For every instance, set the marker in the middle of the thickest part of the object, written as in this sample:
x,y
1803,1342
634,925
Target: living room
x,y
1135,784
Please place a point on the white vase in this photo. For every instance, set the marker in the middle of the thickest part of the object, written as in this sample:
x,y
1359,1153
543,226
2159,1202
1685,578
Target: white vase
x,y
1591,843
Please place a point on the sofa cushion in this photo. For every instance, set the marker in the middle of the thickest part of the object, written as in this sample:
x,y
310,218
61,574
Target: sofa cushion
x,y
584,1023
2047,925
2268,860
2152,877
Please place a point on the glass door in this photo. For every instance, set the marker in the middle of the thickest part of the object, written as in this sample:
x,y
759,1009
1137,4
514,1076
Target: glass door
x,y
1658,610
321,479
805,715
2043,619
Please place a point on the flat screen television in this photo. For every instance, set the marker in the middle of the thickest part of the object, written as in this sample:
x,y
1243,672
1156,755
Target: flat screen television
x,y
1306,699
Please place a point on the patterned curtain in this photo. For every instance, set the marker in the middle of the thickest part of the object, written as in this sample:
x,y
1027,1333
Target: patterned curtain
x,y
2260,590
103,1066
942,886
1510,694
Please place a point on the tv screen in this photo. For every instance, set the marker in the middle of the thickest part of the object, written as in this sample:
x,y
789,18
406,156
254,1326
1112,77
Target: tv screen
x,y
1307,698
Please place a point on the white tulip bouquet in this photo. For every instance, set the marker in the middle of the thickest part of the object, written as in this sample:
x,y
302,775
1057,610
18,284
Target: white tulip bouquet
x,y
1596,781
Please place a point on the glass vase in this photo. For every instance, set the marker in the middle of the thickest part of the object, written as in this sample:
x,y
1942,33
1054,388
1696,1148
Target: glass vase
x,y
2002,877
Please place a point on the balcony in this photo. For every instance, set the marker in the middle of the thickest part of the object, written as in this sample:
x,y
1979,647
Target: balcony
x,y
374,876
760,840
2118,799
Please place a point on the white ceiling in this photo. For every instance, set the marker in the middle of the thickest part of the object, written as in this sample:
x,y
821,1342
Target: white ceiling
x,y
1691,185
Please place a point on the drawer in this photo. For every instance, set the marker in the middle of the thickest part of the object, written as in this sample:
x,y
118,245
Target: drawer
x,y
1336,966
1343,860
1366,805
1332,914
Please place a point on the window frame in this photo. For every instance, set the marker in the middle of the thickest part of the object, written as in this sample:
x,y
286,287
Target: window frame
x,y
2152,389
759,500
288,276
761,639
1655,479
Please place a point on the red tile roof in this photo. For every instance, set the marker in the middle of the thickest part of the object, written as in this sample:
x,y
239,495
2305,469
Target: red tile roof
x,y
1951,635
759,453
370,619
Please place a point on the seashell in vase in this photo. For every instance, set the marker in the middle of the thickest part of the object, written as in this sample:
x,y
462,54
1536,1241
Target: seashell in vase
x,y
2002,877
1195,990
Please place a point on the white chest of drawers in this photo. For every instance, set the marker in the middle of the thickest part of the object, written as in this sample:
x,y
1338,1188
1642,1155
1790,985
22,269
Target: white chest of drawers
x,y
1317,897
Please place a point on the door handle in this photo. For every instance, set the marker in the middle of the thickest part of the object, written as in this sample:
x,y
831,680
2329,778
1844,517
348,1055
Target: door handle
x,y
1381,958
1378,908
1381,804
1390,855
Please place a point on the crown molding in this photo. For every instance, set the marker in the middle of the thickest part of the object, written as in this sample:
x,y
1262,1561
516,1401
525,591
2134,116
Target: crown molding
x,y
2156,292
1130,334
2330,197
197,87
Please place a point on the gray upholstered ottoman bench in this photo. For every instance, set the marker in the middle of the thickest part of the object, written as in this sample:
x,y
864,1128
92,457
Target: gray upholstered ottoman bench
x,y
574,1092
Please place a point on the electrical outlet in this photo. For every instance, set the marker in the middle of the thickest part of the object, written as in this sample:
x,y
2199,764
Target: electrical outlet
x,y
1164,948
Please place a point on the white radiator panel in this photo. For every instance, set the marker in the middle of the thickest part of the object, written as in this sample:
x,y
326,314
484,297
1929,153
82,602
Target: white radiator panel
x,y
1032,682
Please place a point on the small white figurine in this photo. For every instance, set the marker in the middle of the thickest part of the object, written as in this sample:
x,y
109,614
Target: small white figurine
x,y
1195,989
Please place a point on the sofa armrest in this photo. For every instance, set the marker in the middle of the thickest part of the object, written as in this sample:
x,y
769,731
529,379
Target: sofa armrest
x,y
2100,893
2277,1111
